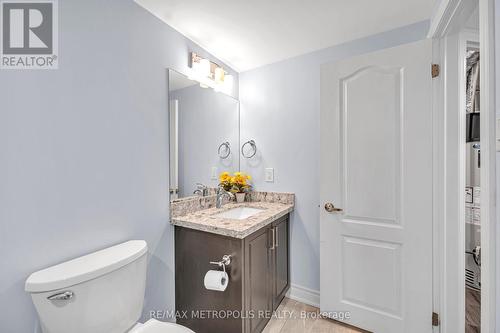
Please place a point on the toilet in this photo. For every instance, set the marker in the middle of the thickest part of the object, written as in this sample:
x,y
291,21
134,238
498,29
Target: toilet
x,y
102,292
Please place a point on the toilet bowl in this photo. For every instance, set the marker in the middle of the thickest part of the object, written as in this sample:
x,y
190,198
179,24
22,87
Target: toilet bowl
x,y
102,292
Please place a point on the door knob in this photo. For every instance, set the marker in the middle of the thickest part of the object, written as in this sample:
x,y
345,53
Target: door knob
x,y
329,207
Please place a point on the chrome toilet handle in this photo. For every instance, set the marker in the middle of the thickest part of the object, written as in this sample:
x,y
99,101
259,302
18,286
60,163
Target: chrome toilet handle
x,y
64,296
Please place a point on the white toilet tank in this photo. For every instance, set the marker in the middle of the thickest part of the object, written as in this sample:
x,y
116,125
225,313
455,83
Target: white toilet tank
x,y
102,292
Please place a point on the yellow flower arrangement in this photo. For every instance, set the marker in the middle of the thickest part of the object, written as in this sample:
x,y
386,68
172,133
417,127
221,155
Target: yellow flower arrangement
x,y
239,182
225,181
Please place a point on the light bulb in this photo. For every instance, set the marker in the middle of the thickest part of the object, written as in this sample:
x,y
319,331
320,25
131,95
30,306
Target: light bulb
x,y
204,68
192,73
228,83
219,75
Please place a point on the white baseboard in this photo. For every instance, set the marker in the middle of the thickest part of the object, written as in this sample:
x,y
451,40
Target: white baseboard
x,y
304,295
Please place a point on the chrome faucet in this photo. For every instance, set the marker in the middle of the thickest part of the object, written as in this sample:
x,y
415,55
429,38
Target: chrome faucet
x,y
201,190
221,194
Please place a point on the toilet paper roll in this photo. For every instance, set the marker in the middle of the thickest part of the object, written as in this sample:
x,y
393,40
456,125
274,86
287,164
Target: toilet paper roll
x,y
216,280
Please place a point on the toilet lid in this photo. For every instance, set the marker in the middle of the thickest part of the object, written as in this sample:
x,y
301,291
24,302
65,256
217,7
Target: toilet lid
x,y
155,326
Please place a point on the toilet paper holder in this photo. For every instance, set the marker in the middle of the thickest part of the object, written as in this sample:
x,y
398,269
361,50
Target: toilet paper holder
x,y
226,261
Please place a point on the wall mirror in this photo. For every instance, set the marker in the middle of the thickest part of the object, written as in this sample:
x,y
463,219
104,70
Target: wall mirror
x,y
204,136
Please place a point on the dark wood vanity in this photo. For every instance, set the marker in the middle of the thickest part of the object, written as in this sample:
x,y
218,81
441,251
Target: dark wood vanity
x,y
259,278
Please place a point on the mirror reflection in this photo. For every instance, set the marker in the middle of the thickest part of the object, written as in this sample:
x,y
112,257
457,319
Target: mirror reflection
x,y
204,136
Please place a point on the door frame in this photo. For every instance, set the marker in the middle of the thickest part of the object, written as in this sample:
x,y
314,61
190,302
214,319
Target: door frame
x,y
488,174
449,241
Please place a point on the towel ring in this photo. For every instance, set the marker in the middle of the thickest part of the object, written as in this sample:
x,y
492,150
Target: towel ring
x,y
227,147
254,148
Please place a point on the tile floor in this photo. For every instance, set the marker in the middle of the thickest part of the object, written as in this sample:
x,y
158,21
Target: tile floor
x,y
291,318
296,317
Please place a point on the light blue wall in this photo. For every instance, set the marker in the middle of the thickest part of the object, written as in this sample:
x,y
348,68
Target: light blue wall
x,y
84,150
280,111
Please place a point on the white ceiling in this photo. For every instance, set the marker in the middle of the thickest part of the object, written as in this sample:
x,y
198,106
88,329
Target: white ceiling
x,y
250,33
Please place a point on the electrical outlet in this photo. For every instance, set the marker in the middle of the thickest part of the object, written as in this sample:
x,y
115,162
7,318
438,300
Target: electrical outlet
x,y
269,175
214,173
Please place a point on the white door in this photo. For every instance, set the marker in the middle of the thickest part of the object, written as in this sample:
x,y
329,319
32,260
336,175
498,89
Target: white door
x,y
376,165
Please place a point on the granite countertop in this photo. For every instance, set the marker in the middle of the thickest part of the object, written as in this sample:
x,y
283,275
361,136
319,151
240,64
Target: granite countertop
x,y
205,221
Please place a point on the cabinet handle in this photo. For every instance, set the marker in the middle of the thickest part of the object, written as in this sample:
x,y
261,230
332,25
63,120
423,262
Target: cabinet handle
x,y
273,239
276,237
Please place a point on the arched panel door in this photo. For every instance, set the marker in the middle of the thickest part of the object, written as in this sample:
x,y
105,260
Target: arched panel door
x,y
376,191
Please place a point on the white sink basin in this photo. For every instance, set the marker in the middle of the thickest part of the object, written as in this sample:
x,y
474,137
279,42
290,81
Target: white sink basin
x,y
239,213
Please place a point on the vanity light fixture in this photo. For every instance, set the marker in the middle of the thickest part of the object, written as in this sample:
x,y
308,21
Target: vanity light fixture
x,y
210,75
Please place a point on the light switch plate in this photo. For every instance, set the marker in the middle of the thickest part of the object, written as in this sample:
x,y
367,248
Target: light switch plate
x,y
269,175
214,173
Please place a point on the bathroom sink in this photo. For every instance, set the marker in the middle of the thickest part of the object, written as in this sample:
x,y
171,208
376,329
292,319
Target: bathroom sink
x,y
239,213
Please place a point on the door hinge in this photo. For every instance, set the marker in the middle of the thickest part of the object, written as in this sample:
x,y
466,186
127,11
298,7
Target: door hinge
x,y
435,319
435,70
